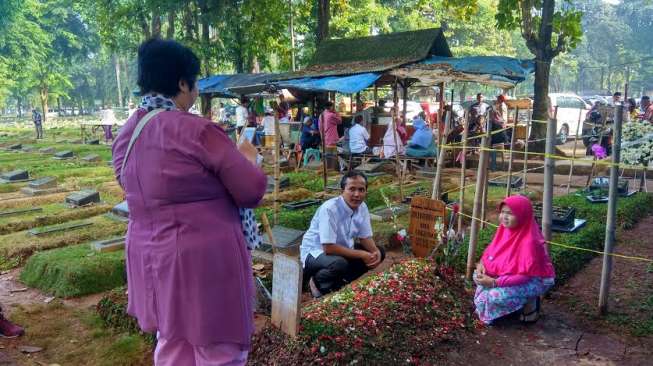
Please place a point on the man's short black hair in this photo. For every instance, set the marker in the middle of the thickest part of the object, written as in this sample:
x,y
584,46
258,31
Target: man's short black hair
x,y
358,119
328,104
616,94
162,64
351,174
645,97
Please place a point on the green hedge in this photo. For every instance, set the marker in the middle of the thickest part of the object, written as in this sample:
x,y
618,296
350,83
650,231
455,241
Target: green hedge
x,y
569,261
74,271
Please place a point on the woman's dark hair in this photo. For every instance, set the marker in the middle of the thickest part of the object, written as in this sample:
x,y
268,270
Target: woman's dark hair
x,y
162,64
352,174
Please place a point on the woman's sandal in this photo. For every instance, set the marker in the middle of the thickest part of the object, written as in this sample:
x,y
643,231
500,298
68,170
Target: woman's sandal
x,y
532,316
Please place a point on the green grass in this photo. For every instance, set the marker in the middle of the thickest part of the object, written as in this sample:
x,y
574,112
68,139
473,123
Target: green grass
x,y
16,247
74,271
52,214
71,336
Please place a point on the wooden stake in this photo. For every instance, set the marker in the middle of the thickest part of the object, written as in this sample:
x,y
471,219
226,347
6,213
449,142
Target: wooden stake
x,y
573,155
610,226
549,169
441,156
324,157
268,230
395,102
481,177
463,178
277,173
512,146
528,136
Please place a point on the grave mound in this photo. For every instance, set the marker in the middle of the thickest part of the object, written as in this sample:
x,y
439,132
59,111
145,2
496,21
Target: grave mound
x,y
74,271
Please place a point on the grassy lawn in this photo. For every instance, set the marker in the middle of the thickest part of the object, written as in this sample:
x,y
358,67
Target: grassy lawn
x,y
73,336
16,247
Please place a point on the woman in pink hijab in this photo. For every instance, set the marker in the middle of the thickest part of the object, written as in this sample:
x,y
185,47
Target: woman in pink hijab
x,y
515,269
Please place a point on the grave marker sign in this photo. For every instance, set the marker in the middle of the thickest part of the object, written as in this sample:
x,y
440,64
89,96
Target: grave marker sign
x,y
286,293
427,221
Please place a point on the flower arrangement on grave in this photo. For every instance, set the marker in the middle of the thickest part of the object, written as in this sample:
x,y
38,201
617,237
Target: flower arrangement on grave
x,y
637,143
397,315
400,233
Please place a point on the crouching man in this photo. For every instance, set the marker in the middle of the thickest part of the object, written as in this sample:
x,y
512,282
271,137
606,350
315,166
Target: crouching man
x,y
329,251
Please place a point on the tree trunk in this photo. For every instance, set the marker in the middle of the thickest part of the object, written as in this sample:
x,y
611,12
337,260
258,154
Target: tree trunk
x,y
188,22
125,71
170,32
116,63
206,40
156,23
540,103
323,16
239,58
291,27
19,108
43,94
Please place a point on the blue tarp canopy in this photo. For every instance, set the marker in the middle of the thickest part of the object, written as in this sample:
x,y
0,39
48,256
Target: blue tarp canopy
x,y
349,84
232,85
499,71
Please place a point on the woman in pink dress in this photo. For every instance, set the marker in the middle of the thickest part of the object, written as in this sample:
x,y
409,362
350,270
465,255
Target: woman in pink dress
x,y
515,269
188,269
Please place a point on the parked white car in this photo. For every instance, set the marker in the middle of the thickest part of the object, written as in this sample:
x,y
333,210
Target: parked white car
x,y
570,107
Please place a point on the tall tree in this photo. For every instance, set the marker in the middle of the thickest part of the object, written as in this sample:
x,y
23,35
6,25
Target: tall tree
x,y
323,18
548,31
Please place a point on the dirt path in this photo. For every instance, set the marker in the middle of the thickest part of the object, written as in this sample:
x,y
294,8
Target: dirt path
x,y
570,332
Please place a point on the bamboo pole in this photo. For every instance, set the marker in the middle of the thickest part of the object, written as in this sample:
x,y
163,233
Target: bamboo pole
x,y
463,178
481,177
277,173
512,146
395,117
573,155
549,169
528,136
610,227
484,199
324,155
435,194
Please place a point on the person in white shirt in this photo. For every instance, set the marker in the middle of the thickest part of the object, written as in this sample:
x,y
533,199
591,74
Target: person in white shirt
x,y
358,137
329,251
241,115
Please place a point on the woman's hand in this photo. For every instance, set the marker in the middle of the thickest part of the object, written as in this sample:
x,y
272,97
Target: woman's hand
x,y
480,268
248,150
486,281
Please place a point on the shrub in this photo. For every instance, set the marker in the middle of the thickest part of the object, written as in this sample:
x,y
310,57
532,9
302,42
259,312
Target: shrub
x,y
112,310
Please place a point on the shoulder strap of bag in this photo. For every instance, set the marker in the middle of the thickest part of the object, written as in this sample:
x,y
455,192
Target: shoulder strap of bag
x,y
137,131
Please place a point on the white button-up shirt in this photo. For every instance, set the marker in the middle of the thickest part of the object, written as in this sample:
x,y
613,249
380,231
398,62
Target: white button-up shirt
x,y
358,137
335,223
241,116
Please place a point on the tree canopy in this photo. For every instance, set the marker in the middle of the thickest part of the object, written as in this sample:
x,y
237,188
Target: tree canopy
x,y
81,54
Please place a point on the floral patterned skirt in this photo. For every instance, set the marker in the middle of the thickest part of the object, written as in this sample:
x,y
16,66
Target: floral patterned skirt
x,y
495,302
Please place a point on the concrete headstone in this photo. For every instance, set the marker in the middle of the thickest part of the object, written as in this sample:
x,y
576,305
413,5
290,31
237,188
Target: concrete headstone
x,y
67,154
83,197
91,158
109,245
15,175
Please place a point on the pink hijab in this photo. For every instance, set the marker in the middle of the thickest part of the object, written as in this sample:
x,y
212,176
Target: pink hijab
x,y
520,250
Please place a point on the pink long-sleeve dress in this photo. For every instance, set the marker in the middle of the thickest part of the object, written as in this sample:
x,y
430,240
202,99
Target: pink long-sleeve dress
x,y
188,269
